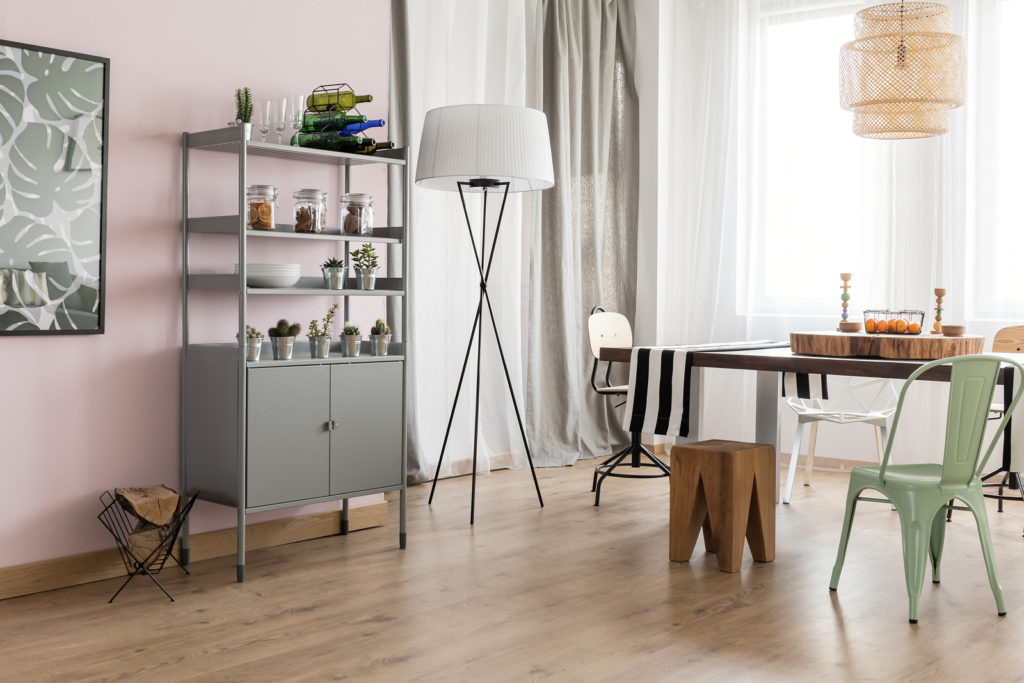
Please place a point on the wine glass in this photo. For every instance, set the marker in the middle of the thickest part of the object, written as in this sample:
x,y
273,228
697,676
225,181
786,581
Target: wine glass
x,y
297,109
263,121
280,117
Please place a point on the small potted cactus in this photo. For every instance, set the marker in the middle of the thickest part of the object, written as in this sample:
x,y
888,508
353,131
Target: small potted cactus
x,y
320,334
253,343
334,273
364,260
282,338
243,111
351,339
380,338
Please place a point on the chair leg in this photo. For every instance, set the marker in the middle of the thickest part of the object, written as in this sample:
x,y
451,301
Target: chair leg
x,y
879,444
844,538
981,519
916,533
811,443
936,541
620,455
791,474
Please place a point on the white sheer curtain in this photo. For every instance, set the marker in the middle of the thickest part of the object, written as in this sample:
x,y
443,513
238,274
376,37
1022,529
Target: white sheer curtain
x,y
460,51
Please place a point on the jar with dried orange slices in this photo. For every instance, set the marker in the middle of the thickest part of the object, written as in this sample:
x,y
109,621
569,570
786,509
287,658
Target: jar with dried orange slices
x,y
262,202
875,320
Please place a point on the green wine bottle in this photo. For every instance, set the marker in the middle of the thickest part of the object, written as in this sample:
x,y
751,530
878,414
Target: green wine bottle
x,y
335,101
313,121
371,148
330,141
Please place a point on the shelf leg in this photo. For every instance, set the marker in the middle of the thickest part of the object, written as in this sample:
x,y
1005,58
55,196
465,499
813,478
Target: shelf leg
x,y
184,543
344,517
241,545
401,518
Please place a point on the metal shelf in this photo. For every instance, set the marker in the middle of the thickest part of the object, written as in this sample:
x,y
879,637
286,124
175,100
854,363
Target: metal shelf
x,y
228,225
300,354
306,286
230,140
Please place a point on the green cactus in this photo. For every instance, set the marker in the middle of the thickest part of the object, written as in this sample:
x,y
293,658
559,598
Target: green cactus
x,y
380,328
252,333
351,328
284,329
365,257
333,263
243,105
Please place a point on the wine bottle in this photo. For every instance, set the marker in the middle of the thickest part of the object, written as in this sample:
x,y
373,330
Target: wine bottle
x,y
335,101
330,141
361,126
371,148
328,120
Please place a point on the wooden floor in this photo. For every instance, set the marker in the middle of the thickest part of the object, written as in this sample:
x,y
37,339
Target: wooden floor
x,y
566,593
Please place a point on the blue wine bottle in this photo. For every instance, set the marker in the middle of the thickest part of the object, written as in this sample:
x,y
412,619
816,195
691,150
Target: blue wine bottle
x,y
361,126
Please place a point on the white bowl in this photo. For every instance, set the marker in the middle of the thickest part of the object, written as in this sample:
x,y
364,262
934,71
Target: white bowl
x,y
270,280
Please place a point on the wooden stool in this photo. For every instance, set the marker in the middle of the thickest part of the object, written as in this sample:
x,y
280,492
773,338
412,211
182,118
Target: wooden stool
x,y
728,488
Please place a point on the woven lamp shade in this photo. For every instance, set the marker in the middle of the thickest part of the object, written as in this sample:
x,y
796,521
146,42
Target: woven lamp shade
x,y
904,71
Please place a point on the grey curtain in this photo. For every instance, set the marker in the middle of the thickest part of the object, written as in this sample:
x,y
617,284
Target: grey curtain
x,y
583,249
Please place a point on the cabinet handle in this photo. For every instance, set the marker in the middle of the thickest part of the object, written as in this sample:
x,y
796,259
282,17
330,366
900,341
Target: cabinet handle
x,y
332,425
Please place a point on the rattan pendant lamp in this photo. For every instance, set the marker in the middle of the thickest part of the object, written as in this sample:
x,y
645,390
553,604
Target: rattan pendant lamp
x,y
903,72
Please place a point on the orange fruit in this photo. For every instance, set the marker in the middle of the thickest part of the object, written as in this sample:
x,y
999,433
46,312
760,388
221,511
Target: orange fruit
x,y
892,325
869,325
915,328
881,325
901,326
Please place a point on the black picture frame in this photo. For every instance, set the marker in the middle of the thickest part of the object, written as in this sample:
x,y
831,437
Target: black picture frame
x,y
62,312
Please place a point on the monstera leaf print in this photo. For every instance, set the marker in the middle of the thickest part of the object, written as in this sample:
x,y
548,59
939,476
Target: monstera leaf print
x,y
26,240
17,319
12,96
85,242
37,176
64,87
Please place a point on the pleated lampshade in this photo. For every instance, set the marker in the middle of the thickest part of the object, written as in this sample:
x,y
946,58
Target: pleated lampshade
x,y
500,142
904,71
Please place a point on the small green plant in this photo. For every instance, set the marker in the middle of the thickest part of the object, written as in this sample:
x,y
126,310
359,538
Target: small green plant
x,y
285,329
324,329
380,328
243,105
351,329
365,257
252,333
333,263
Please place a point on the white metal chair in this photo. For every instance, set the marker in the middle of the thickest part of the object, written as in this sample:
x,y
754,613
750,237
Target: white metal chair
x,y
612,330
874,402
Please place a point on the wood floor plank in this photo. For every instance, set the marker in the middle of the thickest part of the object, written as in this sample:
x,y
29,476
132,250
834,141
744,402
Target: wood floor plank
x,y
568,592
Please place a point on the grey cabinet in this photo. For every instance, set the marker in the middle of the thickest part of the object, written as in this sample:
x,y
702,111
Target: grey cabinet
x,y
366,405
259,435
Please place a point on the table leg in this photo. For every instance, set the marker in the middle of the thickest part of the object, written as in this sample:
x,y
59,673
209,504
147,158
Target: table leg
x,y
766,416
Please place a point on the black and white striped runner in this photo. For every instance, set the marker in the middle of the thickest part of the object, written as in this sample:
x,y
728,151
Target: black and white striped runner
x,y
659,385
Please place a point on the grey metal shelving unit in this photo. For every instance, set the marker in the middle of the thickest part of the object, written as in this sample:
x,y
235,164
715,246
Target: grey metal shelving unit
x,y
241,444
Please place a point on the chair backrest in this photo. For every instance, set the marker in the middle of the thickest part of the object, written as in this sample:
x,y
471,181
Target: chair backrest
x,y
971,385
1009,340
608,330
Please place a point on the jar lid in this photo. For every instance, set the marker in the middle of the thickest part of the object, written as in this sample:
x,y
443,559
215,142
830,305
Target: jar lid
x,y
356,198
264,189
309,193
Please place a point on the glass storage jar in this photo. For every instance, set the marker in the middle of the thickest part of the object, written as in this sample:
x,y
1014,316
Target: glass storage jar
x,y
262,200
358,219
310,210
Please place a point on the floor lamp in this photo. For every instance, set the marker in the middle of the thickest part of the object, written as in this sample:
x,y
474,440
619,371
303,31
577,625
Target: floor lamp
x,y
484,148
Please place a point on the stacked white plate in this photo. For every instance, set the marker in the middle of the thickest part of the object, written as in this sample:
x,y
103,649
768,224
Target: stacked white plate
x,y
271,274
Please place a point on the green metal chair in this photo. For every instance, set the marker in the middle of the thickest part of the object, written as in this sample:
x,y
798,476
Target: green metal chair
x,y
922,493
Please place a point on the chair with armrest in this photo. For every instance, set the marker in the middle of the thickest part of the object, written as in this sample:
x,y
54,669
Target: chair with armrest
x,y
922,493
612,330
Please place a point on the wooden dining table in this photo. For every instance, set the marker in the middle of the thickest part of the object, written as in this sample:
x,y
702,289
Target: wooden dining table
x,y
769,364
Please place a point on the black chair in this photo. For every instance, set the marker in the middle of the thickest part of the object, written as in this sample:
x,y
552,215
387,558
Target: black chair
x,y
612,330
121,525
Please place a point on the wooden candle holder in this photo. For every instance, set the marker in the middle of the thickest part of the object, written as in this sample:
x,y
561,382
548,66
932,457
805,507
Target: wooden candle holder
x,y
937,326
845,325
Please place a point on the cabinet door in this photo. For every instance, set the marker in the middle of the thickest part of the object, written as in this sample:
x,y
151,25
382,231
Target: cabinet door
x,y
366,448
288,443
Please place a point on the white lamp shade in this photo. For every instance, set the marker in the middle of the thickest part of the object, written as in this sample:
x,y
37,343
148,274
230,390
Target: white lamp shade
x,y
495,141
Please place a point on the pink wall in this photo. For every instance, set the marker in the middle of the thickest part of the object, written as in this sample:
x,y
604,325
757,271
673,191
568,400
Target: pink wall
x,y
82,414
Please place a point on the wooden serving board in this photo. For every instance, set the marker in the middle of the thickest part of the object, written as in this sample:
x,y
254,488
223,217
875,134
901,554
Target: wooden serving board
x,y
890,346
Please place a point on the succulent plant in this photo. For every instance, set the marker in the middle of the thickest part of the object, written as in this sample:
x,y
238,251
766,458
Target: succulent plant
x,y
285,329
365,257
380,328
252,333
324,330
243,105
350,328
333,263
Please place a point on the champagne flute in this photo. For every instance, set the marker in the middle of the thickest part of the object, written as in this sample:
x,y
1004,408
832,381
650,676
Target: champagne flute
x,y
263,123
280,117
296,116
